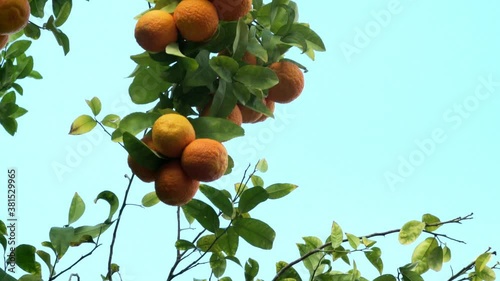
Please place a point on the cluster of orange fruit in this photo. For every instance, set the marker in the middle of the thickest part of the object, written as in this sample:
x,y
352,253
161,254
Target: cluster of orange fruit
x,y
14,16
197,21
187,160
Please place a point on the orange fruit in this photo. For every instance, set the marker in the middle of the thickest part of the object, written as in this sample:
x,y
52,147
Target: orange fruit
x,y
173,186
155,30
196,20
234,116
270,105
231,10
3,40
14,15
205,160
291,82
143,173
172,132
249,115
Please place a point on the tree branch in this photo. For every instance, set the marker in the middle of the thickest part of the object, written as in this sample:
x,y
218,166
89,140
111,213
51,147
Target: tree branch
x,y
465,269
111,247
376,234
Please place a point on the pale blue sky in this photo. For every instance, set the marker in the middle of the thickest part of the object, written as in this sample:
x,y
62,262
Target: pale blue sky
x,y
400,81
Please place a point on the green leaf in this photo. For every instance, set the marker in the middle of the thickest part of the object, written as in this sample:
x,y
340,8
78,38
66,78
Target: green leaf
x,y
61,11
85,234
251,269
374,257
61,38
430,219
141,153
240,39
150,199
148,84
262,166
225,67
113,201
482,261
257,181
421,254
25,259
3,228
487,274
229,241
35,75
17,48
208,243
257,233
252,197
218,198
313,262
409,275
134,123
82,124
9,124
184,245
61,237
6,277
76,209
367,242
111,120
45,258
280,190
446,254
435,259
385,277
337,235
32,31
3,242
289,274
216,128
37,9
410,232
256,77
30,277
203,213
95,105
218,264
353,240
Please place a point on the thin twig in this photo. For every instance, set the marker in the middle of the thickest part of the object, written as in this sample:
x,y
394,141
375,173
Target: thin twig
x,y
111,247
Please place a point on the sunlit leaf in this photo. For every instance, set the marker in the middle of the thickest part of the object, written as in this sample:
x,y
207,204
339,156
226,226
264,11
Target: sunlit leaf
x,y
95,105
82,124
76,209
353,240
111,120
280,190
482,261
150,199
337,235
410,232
430,219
